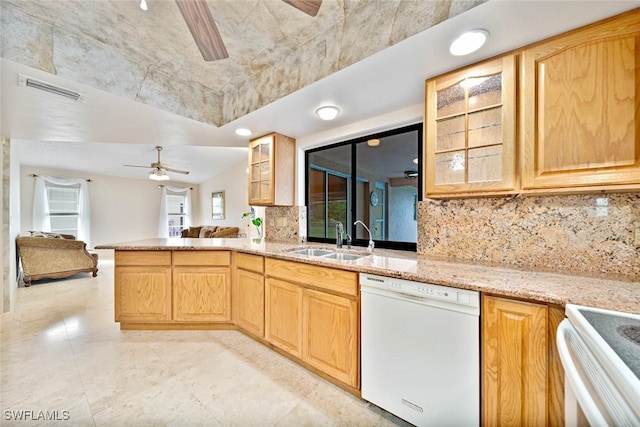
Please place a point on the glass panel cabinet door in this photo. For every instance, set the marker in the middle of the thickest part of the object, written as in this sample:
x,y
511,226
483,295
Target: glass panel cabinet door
x,y
272,170
260,170
470,129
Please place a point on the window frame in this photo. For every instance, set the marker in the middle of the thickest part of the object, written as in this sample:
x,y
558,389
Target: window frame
x,y
63,213
352,191
182,216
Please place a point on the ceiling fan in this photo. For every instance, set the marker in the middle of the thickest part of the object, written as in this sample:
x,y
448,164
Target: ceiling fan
x,y
203,28
159,172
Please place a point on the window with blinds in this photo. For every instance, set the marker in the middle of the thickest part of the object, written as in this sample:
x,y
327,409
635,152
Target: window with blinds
x,y
176,213
64,208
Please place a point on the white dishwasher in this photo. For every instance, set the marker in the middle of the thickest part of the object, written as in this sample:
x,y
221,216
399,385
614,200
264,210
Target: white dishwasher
x,y
420,355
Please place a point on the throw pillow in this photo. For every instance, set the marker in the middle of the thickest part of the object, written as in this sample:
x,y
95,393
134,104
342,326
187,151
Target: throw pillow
x,y
193,232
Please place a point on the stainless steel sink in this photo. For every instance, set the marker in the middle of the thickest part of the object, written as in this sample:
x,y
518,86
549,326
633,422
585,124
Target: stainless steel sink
x,y
312,252
326,253
344,257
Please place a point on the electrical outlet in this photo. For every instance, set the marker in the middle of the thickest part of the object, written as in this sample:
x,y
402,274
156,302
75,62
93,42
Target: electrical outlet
x,y
637,233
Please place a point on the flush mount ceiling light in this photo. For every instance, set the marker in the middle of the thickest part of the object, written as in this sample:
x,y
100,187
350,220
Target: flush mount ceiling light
x,y
158,175
243,132
469,42
373,142
410,174
327,112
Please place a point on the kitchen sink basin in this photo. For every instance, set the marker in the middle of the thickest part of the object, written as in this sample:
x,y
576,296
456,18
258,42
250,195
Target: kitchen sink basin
x,y
312,252
326,253
343,257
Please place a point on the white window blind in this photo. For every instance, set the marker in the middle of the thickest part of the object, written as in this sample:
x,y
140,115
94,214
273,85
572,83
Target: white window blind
x,y
176,213
64,209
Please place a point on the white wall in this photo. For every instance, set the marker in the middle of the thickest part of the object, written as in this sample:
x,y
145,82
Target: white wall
x,y
122,209
10,223
234,181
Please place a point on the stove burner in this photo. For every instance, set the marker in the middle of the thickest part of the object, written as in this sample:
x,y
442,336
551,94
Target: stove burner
x,y
630,332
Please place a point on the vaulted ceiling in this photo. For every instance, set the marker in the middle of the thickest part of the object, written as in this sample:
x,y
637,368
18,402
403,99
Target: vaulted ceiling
x,y
146,83
150,56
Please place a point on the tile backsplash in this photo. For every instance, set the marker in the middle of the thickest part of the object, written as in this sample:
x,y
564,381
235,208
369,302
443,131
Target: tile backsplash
x,y
286,223
592,233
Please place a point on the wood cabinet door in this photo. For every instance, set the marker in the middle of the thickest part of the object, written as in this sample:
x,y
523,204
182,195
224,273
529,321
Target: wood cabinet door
x,y
142,294
283,315
248,300
470,129
261,176
514,363
330,335
201,294
580,108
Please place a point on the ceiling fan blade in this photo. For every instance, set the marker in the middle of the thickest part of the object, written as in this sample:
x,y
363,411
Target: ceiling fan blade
x,y
203,29
310,7
176,170
138,166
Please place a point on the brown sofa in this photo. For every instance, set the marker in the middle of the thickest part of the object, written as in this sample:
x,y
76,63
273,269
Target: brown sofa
x,y
53,256
210,231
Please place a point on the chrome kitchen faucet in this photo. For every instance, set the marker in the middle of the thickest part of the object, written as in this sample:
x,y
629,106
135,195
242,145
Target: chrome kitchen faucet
x,y
371,244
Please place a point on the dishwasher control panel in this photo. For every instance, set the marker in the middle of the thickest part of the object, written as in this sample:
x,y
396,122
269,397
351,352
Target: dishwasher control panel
x,y
418,289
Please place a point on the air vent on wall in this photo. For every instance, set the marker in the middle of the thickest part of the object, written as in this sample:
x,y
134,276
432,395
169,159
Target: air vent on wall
x,y
48,87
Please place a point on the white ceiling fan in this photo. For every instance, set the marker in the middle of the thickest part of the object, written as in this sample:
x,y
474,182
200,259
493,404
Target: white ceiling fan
x,y
159,169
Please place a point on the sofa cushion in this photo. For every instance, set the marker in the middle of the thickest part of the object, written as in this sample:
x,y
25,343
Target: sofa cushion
x,y
50,235
192,232
207,231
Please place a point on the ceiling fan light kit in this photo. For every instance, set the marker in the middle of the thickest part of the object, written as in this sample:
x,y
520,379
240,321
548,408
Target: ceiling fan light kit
x,y
158,175
159,170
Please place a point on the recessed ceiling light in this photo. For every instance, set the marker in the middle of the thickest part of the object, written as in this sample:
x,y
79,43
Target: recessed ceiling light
x,y
243,132
143,5
327,112
373,142
469,42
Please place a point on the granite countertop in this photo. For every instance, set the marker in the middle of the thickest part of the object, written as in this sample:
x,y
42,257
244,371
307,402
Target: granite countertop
x,y
619,294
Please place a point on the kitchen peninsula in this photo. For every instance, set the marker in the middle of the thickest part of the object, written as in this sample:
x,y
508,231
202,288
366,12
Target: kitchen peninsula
x,y
307,307
620,293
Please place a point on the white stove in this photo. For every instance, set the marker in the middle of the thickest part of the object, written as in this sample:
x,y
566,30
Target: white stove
x,y
600,353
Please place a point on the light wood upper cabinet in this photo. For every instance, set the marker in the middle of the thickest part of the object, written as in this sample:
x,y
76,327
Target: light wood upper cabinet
x,y
470,132
522,379
581,107
272,170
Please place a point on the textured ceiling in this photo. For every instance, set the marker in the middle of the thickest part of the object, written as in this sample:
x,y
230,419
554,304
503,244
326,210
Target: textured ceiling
x,y
150,57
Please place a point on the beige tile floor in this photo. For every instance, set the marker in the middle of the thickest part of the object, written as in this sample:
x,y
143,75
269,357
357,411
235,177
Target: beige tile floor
x,y
64,357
